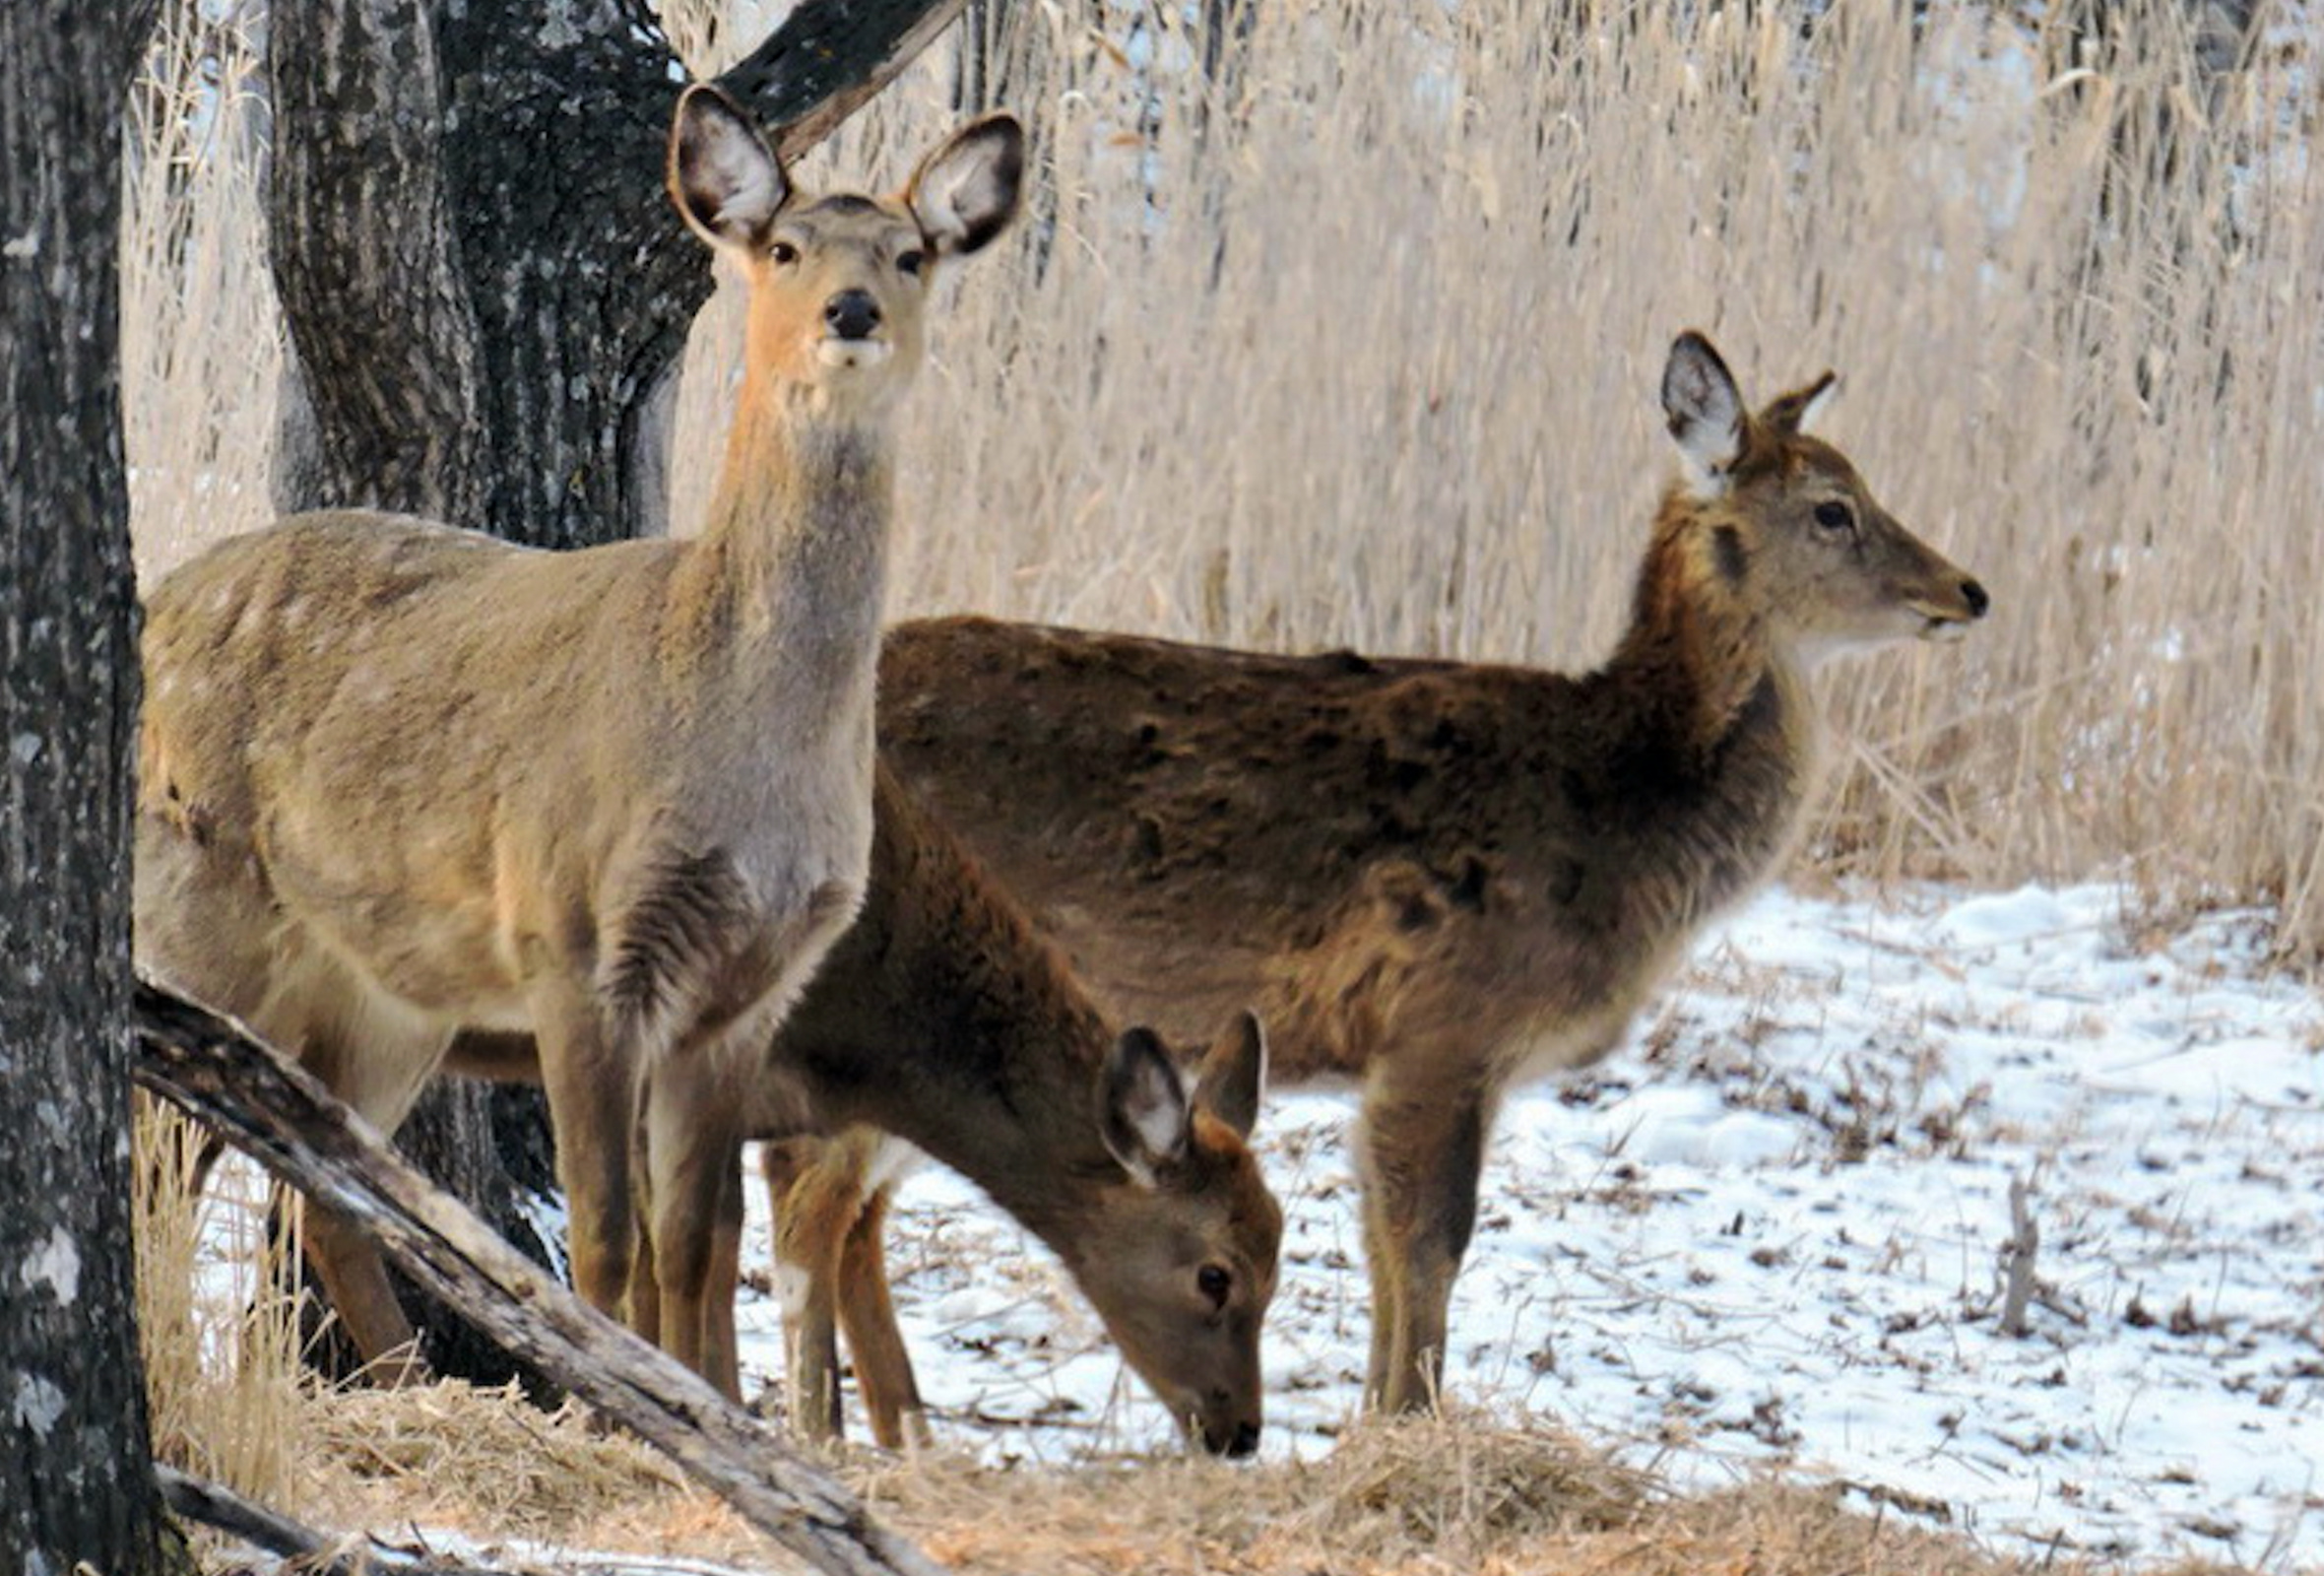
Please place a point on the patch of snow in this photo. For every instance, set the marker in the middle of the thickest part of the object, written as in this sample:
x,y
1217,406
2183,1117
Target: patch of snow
x,y
1768,1232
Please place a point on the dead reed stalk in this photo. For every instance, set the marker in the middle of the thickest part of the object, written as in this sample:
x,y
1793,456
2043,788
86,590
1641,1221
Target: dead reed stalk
x,y
1350,341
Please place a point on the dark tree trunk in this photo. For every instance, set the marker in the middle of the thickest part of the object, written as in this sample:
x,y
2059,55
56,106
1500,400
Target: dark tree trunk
x,y
487,294
76,1472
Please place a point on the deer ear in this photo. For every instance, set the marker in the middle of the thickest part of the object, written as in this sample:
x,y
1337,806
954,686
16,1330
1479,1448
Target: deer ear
x,y
1143,1110
724,177
1791,414
1234,1075
1705,410
966,190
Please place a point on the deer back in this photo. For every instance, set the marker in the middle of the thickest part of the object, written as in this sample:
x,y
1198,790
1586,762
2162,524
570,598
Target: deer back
x,y
1378,853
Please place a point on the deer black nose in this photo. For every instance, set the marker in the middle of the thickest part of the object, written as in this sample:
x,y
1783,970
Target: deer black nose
x,y
852,315
1245,1440
1974,595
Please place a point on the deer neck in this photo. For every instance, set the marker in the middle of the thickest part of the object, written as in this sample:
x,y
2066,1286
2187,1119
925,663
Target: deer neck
x,y
794,551
1710,737
1002,1095
1698,664
945,1018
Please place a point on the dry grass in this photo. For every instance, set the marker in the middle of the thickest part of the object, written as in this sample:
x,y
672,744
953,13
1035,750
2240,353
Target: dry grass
x,y
201,332
449,1465
1464,1495
219,1356
1359,348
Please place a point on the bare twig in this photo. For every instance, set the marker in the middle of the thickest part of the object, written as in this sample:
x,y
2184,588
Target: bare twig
x,y
282,1116
2017,1258
1885,1494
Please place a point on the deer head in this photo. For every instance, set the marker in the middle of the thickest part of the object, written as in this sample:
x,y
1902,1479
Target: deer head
x,y
1179,1256
1776,524
838,283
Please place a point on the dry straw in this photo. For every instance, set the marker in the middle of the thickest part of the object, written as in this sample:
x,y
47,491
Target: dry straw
x,y
219,1344
1467,1494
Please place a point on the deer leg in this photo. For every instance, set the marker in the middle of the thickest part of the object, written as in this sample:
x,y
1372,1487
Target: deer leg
x,y
592,1104
815,1190
204,915
377,1061
867,1313
645,1288
1387,1300
1422,1155
354,1278
693,1151
721,1360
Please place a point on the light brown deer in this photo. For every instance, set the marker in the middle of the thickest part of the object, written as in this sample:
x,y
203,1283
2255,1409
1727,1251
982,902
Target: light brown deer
x,y
942,1019
400,779
1431,878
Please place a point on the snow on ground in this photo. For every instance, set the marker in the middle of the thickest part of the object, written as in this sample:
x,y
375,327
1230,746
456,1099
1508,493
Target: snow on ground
x,y
1769,1232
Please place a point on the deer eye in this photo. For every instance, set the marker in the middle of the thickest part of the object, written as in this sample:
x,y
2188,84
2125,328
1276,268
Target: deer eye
x,y
783,252
1216,1280
1836,516
910,262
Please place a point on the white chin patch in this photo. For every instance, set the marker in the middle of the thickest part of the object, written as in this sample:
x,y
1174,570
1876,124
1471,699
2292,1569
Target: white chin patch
x,y
1946,630
853,352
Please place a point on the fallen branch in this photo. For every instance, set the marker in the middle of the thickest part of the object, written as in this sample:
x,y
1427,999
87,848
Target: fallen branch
x,y
277,1112
828,59
311,1553
192,1498
198,1499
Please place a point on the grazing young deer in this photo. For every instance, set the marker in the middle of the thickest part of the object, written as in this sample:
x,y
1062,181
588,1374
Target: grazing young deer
x,y
943,1019
401,779
1431,878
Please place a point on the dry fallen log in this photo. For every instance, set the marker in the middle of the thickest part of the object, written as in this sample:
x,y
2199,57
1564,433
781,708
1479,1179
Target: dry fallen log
x,y
192,1498
284,1117
197,1500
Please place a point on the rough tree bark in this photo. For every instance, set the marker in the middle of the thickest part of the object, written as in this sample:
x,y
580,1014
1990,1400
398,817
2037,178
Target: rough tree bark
x,y
77,1481
487,296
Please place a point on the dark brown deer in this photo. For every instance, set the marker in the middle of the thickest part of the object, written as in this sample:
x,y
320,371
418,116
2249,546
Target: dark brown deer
x,y
1432,879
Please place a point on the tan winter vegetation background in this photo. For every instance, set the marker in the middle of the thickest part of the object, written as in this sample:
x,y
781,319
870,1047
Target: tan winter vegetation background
x,y
1357,344
1363,349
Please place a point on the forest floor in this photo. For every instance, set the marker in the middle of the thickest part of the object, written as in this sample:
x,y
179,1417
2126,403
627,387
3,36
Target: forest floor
x,y
1735,1302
